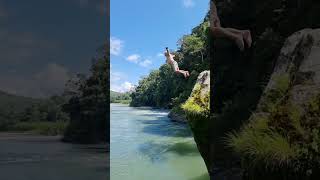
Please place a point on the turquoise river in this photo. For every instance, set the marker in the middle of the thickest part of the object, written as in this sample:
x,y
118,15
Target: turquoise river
x,y
146,145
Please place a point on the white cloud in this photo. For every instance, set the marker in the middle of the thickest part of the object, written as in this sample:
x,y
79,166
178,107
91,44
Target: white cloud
x,y
119,82
115,77
116,46
122,87
160,55
188,3
134,58
127,86
145,63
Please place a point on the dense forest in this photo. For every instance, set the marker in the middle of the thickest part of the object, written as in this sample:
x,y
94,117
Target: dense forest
x,y
163,87
42,116
117,97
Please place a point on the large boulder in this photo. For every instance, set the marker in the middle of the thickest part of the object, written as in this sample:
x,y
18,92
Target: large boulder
x,y
239,78
284,131
197,109
177,116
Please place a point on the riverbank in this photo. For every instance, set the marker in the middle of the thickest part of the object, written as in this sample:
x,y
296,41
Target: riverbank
x,y
37,128
175,114
120,102
46,157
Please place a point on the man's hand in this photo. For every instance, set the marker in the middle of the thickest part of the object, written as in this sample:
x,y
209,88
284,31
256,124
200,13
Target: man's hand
x,y
167,49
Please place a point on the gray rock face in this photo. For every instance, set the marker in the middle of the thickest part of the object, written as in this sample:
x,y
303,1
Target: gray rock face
x,y
176,117
296,74
197,109
293,86
204,81
300,61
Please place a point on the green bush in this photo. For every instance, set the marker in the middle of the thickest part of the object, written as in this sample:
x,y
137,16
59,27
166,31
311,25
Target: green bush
x,y
285,137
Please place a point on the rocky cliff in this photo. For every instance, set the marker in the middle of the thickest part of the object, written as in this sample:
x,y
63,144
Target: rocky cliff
x,y
240,82
283,132
197,109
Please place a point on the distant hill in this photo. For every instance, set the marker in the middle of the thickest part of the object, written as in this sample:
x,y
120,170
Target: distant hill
x,y
15,103
117,97
114,93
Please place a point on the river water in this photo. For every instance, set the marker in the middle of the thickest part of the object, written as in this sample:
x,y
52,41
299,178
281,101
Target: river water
x,y
32,157
146,145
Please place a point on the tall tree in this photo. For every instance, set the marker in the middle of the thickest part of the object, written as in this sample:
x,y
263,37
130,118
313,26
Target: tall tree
x,y
88,106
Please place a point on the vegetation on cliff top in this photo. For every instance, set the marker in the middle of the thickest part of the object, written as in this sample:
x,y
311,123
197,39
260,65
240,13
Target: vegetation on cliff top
x,y
197,104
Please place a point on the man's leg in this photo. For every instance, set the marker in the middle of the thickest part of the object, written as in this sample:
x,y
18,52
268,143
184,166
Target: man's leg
x,y
223,32
245,33
187,72
181,72
235,30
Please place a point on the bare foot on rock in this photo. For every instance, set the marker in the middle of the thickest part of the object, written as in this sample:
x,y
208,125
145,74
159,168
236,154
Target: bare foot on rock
x,y
247,37
185,75
239,42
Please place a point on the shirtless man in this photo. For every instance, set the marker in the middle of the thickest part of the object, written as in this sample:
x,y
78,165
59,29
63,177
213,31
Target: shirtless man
x,y
174,64
238,36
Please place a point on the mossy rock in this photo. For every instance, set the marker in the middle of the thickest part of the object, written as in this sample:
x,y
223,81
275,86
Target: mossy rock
x,y
282,136
197,107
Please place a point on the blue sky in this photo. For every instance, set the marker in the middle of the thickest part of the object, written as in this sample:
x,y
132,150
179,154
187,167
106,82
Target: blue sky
x,y
141,29
43,43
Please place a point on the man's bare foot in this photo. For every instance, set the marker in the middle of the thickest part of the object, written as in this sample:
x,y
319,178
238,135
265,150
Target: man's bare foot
x,y
184,74
239,42
247,37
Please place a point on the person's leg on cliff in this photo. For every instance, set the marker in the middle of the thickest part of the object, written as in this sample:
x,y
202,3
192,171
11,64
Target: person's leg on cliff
x,y
181,72
187,72
220,32
178,71
245,33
